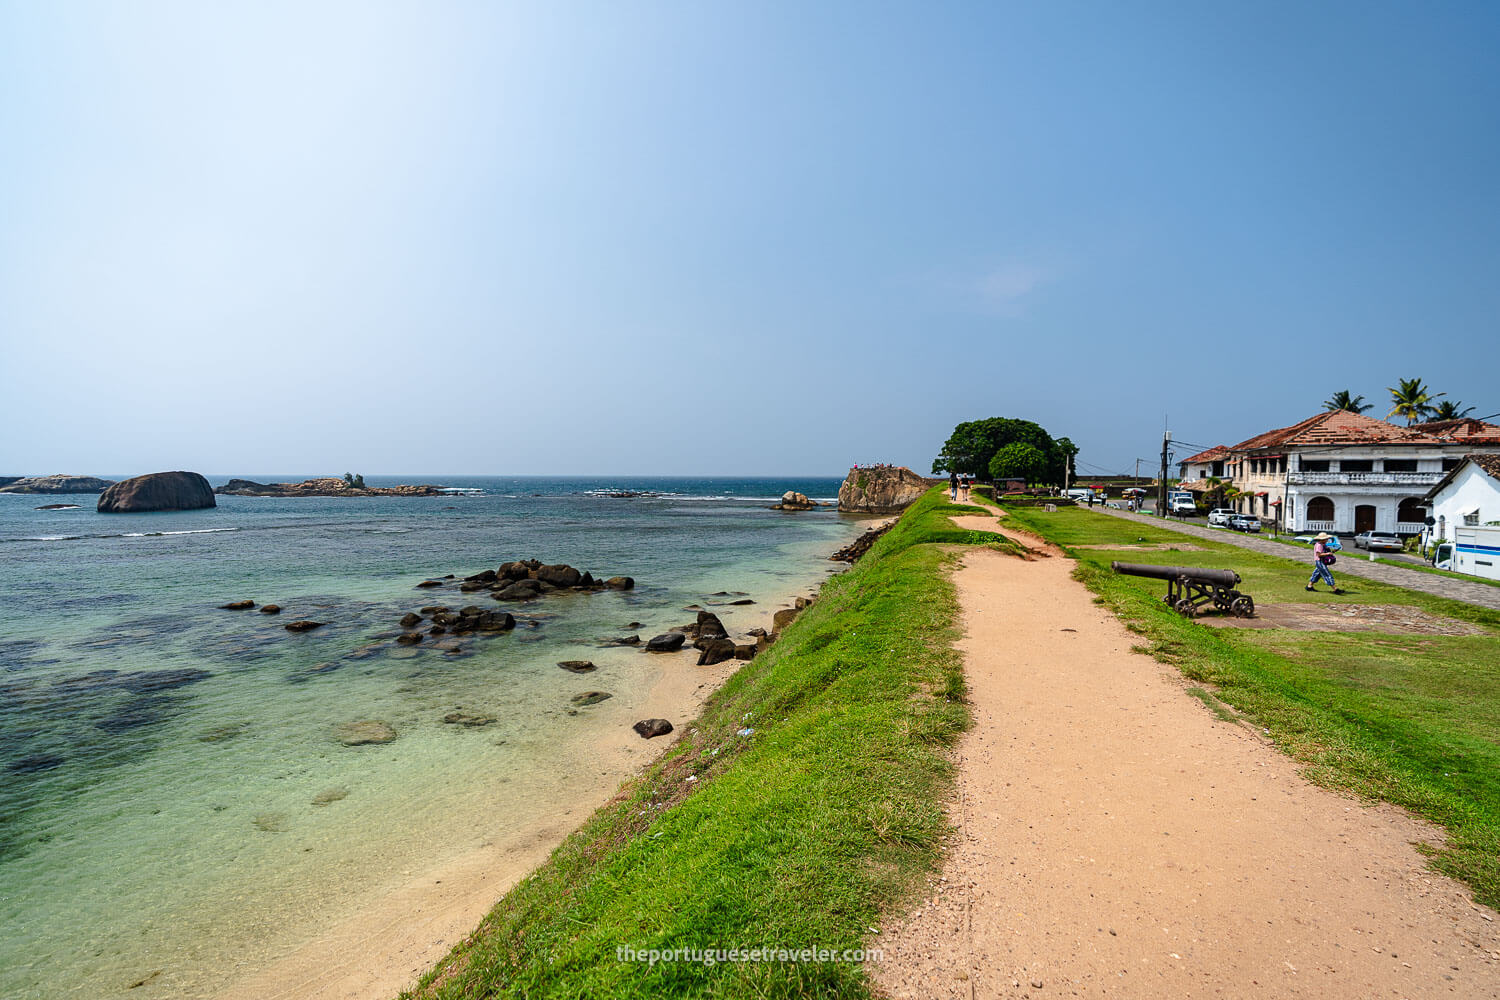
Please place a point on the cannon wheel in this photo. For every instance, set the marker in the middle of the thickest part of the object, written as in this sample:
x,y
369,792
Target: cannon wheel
x,y
1243,606
1222,600
1184,607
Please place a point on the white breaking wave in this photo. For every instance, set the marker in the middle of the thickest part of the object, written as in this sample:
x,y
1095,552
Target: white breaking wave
x,y
192,531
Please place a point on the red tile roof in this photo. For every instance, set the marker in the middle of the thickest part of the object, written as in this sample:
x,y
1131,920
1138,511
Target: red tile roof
x,y
1336,427
1215,454
1465,429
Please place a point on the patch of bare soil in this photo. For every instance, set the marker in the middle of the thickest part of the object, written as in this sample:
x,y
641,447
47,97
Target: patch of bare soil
x,y
1115,838
1152,547
1397,619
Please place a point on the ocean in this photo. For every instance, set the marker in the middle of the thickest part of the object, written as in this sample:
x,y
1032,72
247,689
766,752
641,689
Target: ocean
x,y
175,807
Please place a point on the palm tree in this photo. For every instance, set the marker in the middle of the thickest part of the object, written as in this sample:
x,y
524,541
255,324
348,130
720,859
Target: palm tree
x,y
1343,401
1448,409
1413,400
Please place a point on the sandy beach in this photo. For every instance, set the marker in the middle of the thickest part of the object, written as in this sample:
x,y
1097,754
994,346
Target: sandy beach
x,y
1114,837
395,935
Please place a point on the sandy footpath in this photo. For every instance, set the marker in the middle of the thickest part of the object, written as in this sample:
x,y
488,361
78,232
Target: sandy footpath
x,y
1115,838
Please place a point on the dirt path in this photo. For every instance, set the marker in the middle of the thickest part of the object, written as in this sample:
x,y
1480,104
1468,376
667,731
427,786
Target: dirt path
x,y
1115,838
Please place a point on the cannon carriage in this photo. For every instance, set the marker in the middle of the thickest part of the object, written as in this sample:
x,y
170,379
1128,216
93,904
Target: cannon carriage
x,y
1190,589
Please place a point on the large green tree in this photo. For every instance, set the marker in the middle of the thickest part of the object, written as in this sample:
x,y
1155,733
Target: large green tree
x,y
1413,400
1019,460
974,444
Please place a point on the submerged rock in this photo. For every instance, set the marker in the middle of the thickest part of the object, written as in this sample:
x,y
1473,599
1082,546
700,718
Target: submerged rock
x,y
270,609
628,640
237,606
303,626
328,795
578,666
590,698
428,584
410,619
364,733
41,762
468,720
409,638
620,583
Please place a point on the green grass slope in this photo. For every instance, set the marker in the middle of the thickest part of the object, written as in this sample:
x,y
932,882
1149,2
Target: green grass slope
x,y
792,836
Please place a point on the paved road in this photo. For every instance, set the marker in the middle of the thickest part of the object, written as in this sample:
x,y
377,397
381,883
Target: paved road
x,y
1350,564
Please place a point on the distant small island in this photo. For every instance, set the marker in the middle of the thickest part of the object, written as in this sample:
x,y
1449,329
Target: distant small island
x,y
329,486
54,484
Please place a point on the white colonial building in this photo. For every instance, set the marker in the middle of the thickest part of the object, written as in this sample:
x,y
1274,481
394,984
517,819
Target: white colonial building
x,y
1346,473
1204,465
1468,496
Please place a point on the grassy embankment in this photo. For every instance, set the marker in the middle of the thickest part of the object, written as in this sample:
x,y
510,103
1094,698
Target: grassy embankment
x,y
795,836
1409,719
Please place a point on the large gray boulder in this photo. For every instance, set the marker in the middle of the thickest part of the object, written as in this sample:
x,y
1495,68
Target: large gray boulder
x,y
158,491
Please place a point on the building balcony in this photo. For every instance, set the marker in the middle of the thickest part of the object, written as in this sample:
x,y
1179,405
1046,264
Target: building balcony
x,y
1364,478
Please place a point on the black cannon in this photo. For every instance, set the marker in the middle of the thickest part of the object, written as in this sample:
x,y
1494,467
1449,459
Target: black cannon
x,y
1190,589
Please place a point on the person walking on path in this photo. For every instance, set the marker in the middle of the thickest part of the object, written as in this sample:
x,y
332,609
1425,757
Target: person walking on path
x,y
953,485
1322,556
963,489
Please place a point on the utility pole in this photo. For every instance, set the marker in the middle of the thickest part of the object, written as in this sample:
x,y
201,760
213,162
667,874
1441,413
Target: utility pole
x,y
1161,502
1137,476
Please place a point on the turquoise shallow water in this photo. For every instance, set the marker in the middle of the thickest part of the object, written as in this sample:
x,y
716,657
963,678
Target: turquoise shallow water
x,y
161,758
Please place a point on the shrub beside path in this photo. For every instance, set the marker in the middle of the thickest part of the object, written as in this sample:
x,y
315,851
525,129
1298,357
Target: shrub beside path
x,y
1115,837
1353,561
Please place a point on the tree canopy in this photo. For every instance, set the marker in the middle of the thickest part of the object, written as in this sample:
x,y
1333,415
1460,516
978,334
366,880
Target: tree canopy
x,y
1413,400
1019,460
1342,400
974,445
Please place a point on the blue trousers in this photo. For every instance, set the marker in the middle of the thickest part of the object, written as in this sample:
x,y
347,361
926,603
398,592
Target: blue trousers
x,y
1321,571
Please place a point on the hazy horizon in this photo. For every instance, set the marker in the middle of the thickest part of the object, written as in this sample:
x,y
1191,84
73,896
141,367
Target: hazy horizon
x,y
729,238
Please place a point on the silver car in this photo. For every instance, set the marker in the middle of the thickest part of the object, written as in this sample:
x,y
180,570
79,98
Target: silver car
x,y
1379,541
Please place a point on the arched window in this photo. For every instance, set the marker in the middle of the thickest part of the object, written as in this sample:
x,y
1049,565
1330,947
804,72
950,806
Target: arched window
x,y
1411,511
1320,509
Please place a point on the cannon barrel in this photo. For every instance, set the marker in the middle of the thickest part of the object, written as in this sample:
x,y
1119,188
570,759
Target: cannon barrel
x,y
1225,578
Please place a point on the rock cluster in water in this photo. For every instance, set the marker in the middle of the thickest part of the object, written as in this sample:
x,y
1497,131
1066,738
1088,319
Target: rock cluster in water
x,y
528,579
329,486
792,500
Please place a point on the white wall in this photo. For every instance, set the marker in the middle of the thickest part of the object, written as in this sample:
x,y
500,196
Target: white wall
x,y
1472,489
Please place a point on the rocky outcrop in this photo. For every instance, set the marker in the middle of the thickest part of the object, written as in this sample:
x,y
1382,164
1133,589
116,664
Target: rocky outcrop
x,y
158,491
883,489
792,500
328,486
57,484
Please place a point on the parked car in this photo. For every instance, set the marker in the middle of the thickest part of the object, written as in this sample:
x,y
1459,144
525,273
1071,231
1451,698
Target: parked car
x,y
1379,541
1220,516
1182,507
1244,522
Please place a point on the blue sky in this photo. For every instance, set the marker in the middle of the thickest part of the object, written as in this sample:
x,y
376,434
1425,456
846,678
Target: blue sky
x,y
715,238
